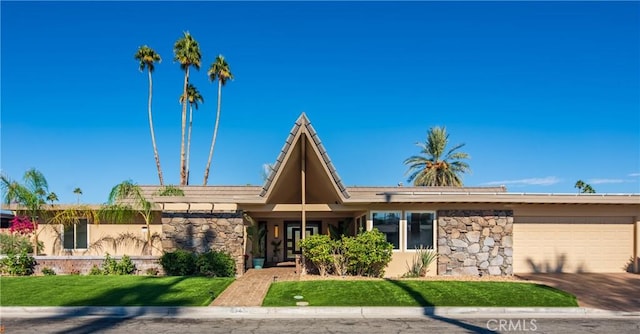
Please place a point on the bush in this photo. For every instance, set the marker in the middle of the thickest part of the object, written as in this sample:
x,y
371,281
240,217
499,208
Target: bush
x,y
216,264
113,267
21,264
319,249
152,271
95,270
422,259
48,271
368,253
178,263
15,244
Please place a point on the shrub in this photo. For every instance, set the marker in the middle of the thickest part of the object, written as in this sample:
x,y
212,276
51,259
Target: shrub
x,y
16,243
21,264
22,225
216,264
178,263
152,271
318,249
112,267
368,253
48,271
95,270
421,261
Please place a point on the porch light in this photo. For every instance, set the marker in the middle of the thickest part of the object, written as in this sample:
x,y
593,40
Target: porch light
x,y
275,231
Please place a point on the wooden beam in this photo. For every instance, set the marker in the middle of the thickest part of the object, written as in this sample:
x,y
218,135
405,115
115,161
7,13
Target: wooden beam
x,y
303,181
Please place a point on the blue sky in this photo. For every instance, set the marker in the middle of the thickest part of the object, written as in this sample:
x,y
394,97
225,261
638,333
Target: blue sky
x,y
543,94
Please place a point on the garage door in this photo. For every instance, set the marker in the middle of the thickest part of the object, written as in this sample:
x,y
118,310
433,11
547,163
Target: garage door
x,y
572,247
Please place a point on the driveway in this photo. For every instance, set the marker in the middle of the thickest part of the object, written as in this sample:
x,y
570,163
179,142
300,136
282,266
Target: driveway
x,y
616,292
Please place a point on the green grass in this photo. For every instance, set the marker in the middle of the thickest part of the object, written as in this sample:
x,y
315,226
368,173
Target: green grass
x,y
417,293
110,290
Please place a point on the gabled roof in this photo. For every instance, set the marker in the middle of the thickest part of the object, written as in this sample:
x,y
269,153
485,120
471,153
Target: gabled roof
x,y
317,153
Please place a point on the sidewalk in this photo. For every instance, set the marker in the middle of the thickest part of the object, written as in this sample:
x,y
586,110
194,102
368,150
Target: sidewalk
x,y
313,312
252,287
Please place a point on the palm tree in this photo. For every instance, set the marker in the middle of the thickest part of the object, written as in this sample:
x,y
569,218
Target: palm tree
x,y
30,195
187,53
147,58
52,197
436,166
193,97
78,192
219,70
579,185
125,201
584,188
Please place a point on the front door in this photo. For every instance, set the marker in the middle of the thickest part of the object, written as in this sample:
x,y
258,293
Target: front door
x,y
293,235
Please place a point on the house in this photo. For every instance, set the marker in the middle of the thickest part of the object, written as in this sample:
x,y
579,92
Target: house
x,y
476,230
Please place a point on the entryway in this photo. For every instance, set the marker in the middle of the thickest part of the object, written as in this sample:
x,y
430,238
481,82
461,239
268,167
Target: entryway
x,y
293,235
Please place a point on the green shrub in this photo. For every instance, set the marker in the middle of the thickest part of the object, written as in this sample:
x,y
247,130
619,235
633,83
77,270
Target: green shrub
x,y
368,253
152,271
48,271
95,270
178,263
421,261
15,244
319,249
112,267
216,264
21,264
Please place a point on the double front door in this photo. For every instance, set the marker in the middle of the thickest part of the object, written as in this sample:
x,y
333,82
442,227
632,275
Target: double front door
x,y
293,235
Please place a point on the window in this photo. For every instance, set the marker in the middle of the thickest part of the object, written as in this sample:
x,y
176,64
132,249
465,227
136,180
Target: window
x,y
388,222
420,229
75,235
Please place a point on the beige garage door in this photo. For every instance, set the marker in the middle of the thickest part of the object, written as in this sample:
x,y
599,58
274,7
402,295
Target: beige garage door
x,y
571,247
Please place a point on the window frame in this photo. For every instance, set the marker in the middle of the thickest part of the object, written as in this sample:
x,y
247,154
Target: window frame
x,y
434,236
75,235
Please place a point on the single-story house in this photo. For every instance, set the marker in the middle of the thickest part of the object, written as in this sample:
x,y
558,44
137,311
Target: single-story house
x,y
475,230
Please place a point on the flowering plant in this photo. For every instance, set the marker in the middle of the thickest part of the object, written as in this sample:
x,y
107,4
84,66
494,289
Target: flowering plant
x,y
22,225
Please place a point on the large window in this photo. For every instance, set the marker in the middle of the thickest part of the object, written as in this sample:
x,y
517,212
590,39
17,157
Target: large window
x,y
419,229
388,222
75,235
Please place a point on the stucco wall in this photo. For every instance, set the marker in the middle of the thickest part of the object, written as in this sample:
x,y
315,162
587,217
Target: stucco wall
x,y
201,232
475,242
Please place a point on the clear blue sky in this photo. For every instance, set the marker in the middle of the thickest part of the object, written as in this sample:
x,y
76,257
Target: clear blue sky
x,y
543,94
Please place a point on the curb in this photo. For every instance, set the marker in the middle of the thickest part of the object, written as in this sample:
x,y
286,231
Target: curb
x,y
155,312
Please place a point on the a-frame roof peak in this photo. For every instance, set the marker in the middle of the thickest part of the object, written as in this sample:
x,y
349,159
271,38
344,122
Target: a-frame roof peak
x,y
320,164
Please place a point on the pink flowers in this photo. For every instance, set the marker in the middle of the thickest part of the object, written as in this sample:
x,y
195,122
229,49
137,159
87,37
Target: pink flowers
x,y
22,225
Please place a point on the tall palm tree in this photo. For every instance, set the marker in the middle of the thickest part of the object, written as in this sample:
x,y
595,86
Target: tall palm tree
x,y
31,195
52,197
78,192
187,53
436,166
147,58
193,97
219,70
579,185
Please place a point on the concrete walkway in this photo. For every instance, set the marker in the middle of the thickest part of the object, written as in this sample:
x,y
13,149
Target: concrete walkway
x,y
252,287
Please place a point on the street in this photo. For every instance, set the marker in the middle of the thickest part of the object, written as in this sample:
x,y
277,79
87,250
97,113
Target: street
x,y
434,324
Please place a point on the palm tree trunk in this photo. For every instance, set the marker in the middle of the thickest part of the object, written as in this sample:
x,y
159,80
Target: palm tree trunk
x,y
153,135
189,140
215,134
183,167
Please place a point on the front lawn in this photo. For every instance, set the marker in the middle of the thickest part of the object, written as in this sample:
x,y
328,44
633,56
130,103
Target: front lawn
x,y
110,290
417,293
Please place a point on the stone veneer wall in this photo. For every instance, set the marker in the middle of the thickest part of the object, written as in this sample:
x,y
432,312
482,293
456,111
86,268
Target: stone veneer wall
x,y
200,232
475,242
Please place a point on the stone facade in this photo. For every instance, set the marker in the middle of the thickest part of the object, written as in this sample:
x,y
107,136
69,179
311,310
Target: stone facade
x,y
82,264
201,232
475,242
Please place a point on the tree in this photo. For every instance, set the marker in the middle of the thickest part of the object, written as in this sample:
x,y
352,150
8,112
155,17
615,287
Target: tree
x,y
147,58
193,97
78,193
125,201
31,196
219,70
584,188
187,53
52,197
436,166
